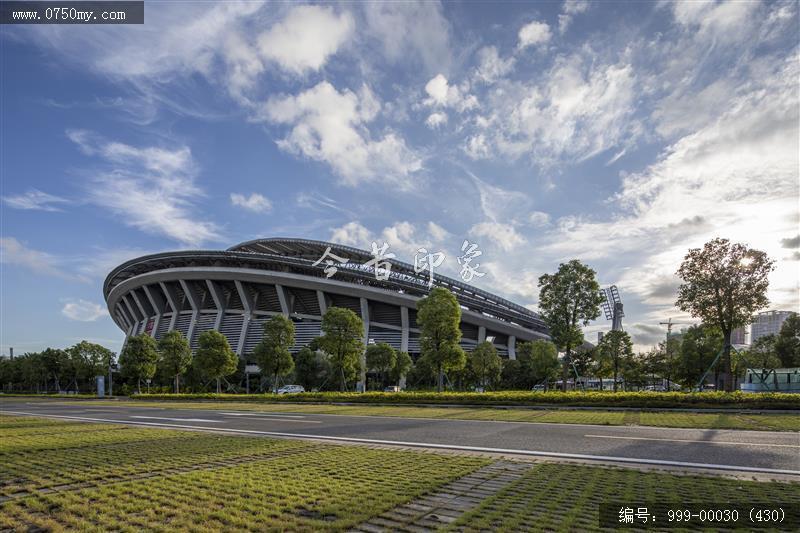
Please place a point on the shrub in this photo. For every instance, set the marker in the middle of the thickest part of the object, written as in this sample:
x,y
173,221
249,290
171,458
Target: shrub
x,y
727,400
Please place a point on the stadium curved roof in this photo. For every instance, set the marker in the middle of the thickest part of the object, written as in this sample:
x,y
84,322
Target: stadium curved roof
x,y
299,255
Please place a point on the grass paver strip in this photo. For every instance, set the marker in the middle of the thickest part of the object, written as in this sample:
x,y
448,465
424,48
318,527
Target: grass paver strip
x,y
565,497
446,505
301,486
733,420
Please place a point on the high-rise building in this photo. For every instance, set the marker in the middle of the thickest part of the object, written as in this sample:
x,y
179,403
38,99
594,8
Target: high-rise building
x,y
767,323
738,336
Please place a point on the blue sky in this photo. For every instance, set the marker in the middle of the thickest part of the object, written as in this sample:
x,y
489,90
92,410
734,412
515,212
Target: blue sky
x,y
618,133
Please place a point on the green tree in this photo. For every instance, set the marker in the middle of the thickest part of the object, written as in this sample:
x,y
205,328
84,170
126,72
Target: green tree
x,y
402,365
176,355
569,299
542,364
633,369
787,344
88,360
615,347
342,331
698,348
381,358
272,354
139,358
438,317
724,284
214,358
762,354
307,368
485,364
583,360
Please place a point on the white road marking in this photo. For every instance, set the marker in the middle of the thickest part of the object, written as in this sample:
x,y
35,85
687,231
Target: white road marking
x,y
260,414
660,462
696,441
178,419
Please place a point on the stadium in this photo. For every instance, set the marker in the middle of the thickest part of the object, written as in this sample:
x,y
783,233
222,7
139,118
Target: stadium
x,y
235,291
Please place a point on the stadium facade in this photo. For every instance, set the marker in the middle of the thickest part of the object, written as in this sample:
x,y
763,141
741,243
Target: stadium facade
x,y
235,291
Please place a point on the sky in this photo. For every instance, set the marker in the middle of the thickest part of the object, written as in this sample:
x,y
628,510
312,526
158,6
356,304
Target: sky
x,y
621,134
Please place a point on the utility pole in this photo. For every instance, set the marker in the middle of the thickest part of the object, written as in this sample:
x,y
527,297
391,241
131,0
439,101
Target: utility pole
x,y
669,324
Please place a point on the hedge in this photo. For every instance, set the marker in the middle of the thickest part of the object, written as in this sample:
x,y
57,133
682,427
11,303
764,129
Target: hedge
x,y
731,400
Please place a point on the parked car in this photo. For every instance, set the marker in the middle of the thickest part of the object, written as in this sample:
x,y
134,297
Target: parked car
x,y
291,389
392,388
539,388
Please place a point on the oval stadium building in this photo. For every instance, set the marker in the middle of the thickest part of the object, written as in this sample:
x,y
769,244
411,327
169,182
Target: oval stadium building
x,y
235,291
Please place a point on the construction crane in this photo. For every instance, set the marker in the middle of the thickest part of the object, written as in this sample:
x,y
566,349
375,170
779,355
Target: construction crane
x,y
612,306
669,323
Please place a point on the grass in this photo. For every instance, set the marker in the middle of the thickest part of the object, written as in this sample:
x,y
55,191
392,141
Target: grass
x,y
60,475
676,419
163,480
719,400
558,497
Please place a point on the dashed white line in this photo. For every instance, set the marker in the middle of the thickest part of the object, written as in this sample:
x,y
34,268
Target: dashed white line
x,y
179,419
729,443
630,460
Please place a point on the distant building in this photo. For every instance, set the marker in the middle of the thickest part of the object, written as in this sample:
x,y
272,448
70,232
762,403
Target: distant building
x,y
767,323
738,336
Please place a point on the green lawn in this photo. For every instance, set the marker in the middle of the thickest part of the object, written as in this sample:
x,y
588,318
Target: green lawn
x,y
559,497
162,480
677,419
62,476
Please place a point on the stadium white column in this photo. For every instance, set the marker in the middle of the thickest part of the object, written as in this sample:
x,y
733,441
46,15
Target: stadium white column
x,y
481,334
404,332
192,297
365,320
512,347
323,305
158,304
282,299
133,313
219,301
172,298
247,303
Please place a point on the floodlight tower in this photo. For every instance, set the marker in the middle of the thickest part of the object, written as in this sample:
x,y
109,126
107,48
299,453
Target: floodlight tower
x,y
612,306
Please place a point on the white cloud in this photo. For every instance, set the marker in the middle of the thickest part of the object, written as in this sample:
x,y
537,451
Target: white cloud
x,y
256,202
13,252
330,126
442,94
404,238
569,10
736,177
504,236
35,199
435,120
152,188
306,38
410,31
491,66
580,108
352,234
539,218
533,34
83,311
477,147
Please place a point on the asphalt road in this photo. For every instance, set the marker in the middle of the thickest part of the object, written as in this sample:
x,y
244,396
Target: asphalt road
x,y
742,451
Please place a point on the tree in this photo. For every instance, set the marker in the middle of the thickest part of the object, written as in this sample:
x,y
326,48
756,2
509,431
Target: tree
x,y
438,317
402,365
485,364
176,355
272,354
306,367
139,358
381,358
724,284
214,358
787,344
615,347
538,363
88,360
342,331
698,348
762,354
633,369
569,299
